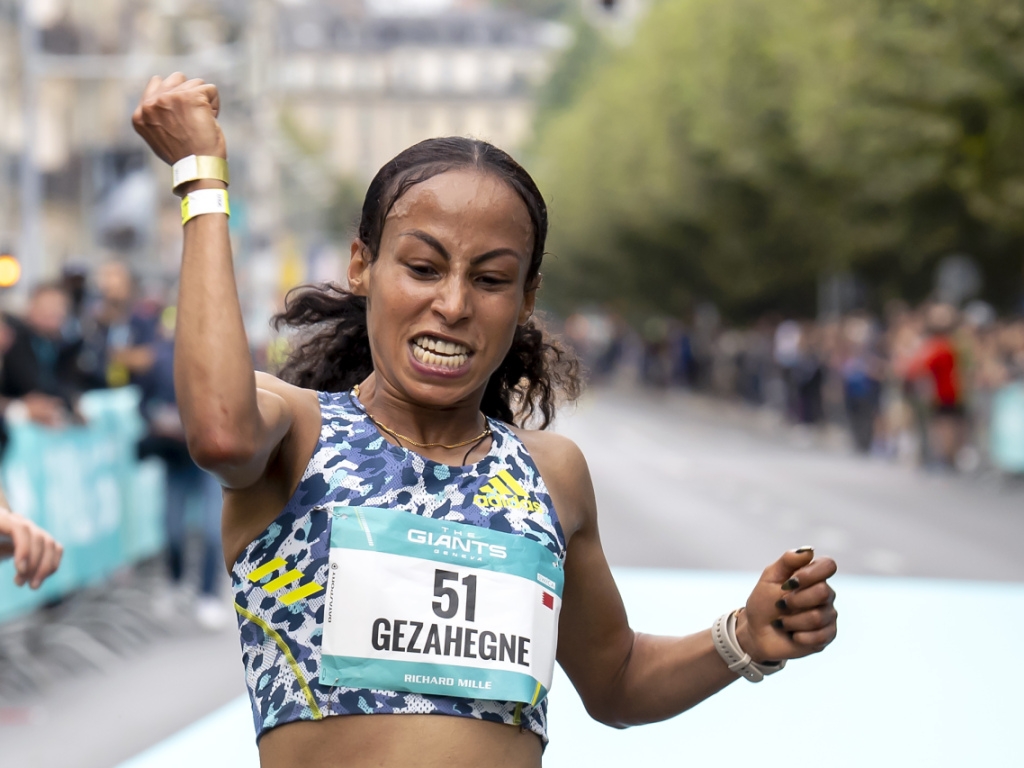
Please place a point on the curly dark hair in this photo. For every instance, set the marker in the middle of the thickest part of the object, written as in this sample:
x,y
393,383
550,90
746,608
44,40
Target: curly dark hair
x,y
333,353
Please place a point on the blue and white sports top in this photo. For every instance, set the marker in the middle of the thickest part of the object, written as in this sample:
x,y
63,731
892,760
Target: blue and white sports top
x,y
279,579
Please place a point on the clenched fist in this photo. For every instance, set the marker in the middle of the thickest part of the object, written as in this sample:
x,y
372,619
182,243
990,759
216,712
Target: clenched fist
x,y
790,613
178,117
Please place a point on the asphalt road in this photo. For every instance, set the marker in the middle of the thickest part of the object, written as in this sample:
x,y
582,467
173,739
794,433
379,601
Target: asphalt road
x,y
681,483
685,483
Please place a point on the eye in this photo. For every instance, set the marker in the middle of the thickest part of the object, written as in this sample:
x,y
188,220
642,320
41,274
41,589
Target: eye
x,y
494,281
422,270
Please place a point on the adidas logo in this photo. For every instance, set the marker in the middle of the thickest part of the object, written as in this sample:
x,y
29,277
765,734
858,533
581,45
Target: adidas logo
x,y
505,492
282,581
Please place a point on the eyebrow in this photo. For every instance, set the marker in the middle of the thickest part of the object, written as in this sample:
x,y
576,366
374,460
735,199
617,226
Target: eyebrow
x,y
434,243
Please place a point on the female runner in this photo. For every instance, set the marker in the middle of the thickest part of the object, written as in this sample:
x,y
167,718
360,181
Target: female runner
x,y
410,394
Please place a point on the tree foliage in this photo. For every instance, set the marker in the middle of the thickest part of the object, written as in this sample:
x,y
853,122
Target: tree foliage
x,y
738,150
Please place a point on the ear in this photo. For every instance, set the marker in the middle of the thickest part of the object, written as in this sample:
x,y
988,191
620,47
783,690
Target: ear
x,y
359,268
529,301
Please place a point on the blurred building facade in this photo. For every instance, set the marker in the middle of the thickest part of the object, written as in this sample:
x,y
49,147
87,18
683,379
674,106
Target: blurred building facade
x,y
76,184
314,91
360,87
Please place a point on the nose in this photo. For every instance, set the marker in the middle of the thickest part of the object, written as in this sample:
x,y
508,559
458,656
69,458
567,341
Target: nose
x,y
451,303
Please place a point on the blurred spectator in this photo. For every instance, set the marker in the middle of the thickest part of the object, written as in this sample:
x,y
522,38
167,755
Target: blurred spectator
x,y
935,365
74,279
656,366
118,332
862,370
924,381
788,341
598,339
129,339
37,368
809,378
188,487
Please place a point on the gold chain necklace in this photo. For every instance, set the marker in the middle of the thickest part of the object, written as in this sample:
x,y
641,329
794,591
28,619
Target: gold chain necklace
x,y
384,428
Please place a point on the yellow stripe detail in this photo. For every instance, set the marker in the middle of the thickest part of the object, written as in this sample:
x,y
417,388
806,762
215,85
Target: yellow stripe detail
x,y
301,592
283,580
512,483
487,489
517,717
535,695
288,657
499,487
266,570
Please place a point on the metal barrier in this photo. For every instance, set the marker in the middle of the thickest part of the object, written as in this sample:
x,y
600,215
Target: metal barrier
x,y
86,486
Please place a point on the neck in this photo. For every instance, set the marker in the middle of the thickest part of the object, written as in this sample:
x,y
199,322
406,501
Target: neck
x,y
447,425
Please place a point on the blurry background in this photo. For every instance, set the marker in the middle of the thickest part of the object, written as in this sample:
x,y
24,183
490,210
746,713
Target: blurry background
x,y
787,240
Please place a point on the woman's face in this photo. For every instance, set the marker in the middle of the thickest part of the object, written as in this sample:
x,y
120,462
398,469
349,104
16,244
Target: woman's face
x,y
448,287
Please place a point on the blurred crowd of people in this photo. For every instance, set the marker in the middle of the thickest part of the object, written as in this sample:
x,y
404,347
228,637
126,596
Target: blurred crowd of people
x,y
103,330
918,384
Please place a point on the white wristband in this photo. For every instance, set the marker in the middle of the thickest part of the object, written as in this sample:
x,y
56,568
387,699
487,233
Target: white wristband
x,y
723,633
204,201
196,167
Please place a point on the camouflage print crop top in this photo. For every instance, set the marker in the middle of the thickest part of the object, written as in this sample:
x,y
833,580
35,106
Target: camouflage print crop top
x,y
279,579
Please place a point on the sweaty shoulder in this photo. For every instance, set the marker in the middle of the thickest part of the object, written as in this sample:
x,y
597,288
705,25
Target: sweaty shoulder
x,y
562,465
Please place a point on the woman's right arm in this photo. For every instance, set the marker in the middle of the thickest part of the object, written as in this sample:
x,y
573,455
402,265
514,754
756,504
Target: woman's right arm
x,y
233,426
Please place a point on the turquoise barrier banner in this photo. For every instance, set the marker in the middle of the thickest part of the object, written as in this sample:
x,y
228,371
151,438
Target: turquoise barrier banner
x,y
1008,428
86,486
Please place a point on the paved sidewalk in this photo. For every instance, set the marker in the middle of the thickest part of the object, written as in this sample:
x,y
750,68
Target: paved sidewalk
x,y
113,704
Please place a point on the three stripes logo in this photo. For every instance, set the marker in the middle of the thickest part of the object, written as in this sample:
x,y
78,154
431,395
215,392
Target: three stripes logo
x,y
505,492
284,580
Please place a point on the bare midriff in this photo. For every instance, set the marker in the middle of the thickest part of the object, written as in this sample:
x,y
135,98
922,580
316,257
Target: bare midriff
x,y
398,741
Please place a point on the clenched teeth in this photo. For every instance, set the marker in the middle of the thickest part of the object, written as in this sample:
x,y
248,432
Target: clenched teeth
x,y
445,354
430,344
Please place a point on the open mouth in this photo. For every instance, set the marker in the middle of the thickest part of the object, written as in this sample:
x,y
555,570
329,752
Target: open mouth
x,y
436,352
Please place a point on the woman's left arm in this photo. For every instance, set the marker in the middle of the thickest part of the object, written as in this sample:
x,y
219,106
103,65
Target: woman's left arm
x,y
628,678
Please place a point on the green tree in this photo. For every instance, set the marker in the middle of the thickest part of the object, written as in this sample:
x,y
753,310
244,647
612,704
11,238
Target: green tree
x,y
738,150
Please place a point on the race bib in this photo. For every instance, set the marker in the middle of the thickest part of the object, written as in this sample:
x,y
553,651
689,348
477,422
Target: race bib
x,y
431,606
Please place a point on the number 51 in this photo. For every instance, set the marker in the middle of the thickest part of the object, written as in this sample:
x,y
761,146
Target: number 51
x,y
452,596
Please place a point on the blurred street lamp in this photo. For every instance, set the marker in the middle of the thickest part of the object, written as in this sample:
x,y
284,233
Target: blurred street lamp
x,y
10,271
30,181
618,17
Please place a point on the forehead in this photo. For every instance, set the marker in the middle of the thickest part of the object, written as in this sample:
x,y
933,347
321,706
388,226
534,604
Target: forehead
x,y
465,203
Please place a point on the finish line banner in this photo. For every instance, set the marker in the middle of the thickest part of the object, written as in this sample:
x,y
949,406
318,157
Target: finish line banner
x,y
438,607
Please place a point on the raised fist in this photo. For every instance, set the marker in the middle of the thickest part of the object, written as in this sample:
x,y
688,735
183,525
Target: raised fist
x,y
178,117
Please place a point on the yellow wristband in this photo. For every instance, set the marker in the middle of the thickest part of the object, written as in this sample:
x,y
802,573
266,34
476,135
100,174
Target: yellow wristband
x,y
204,201
196,167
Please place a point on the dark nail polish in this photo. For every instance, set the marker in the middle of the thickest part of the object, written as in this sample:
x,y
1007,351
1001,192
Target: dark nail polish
x,y
802,550
791,584
778,624
781,604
